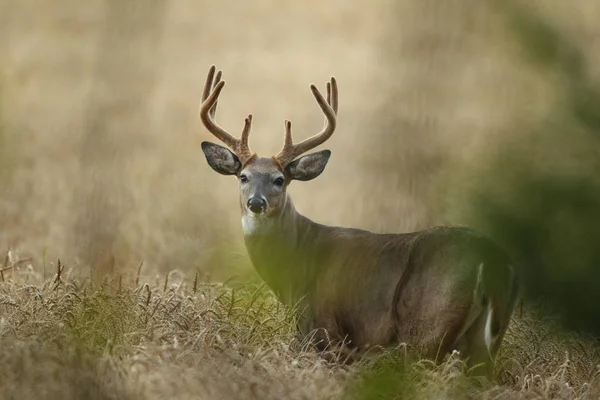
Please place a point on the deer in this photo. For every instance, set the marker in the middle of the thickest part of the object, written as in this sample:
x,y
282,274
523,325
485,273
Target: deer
x,y
443,289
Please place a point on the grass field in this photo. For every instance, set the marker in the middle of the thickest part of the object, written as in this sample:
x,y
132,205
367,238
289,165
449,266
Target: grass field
x,y
177,337
449,112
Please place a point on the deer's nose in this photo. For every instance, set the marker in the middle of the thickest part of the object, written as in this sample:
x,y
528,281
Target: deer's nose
x,y
257,205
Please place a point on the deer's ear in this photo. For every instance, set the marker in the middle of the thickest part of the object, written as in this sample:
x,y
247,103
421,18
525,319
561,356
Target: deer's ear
x,y
221,159
309,166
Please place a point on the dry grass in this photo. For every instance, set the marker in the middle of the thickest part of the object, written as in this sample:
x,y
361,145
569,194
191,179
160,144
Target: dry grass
x,y
180,338
177,339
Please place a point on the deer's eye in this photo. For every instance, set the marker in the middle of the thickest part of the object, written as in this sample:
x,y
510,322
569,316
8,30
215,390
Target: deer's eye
x,y
279,181
243,178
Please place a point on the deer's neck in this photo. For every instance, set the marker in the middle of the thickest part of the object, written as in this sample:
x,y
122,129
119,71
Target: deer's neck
x,y
283,251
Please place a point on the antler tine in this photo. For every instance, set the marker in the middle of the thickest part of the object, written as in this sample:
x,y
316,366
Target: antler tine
x,y
208,83
288,142
329,108
334,95
246,131
213,110
210,96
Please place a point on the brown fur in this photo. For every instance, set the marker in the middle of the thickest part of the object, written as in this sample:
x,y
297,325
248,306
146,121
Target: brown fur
x,y
251,158
367,289
278,164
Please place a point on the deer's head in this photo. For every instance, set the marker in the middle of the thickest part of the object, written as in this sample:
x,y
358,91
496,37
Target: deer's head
x,y
263,180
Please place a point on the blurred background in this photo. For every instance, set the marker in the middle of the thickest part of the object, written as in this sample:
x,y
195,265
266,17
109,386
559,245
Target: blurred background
x,y
470,112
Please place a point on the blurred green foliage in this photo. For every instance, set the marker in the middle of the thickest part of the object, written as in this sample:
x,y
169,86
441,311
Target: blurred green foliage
x,y
537,192
549,218
552,228
550,49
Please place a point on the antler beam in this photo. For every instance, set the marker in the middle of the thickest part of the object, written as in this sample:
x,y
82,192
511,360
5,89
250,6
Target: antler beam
x,y
210,96
330,108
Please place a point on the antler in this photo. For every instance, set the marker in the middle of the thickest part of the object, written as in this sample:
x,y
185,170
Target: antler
x,y
208,108
330,108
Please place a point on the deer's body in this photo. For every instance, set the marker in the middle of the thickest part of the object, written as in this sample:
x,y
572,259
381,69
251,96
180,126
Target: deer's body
x,y
441,289
428,288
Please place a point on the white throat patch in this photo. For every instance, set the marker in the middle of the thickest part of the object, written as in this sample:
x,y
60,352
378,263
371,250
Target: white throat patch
x,y
255,225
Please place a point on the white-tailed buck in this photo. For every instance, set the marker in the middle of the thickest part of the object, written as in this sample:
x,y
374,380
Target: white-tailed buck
x,y
441,289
